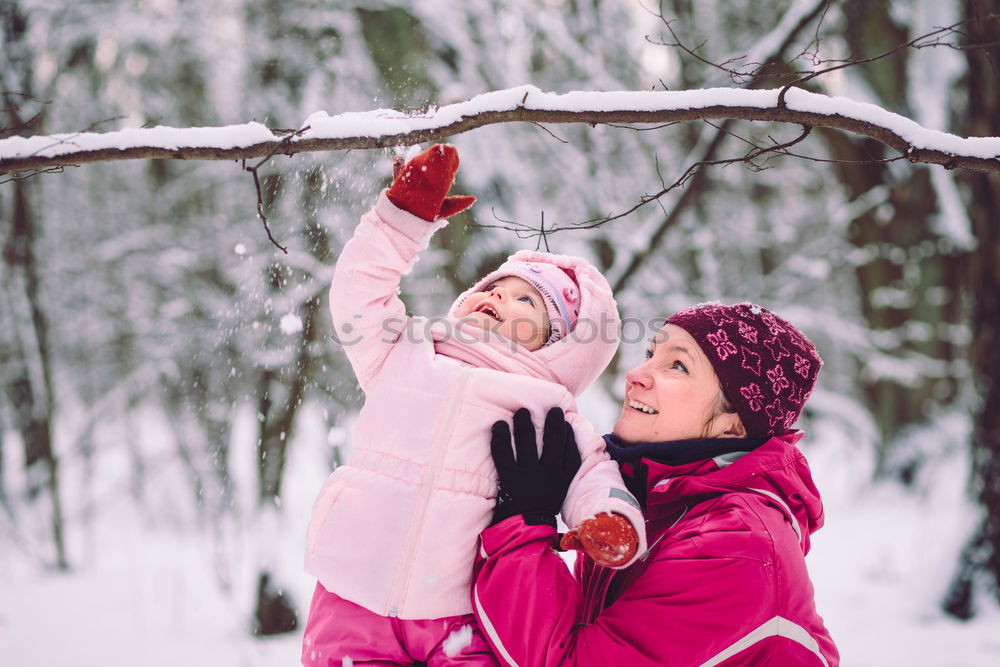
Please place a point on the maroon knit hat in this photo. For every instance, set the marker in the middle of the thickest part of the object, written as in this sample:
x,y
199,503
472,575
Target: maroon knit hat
x,y
766,366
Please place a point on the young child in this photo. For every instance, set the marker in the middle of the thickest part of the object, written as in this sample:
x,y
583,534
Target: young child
x,y
392,538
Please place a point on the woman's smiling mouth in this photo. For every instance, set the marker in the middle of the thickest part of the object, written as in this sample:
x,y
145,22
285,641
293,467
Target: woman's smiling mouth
x,y
642,407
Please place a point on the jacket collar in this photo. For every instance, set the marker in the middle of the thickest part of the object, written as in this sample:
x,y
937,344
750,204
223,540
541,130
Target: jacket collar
x,y
678,452
671,459
665,477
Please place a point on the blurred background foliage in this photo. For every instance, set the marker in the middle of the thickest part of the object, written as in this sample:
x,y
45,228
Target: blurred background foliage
x,y
150,287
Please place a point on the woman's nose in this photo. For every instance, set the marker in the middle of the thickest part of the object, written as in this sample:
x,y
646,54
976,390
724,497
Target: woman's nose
x,y
639,376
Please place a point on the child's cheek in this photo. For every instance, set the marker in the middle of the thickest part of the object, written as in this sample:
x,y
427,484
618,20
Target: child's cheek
x,y
523,330
468,305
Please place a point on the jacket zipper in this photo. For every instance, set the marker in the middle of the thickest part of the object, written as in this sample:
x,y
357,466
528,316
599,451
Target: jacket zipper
x,y
649,551
606,576
427,484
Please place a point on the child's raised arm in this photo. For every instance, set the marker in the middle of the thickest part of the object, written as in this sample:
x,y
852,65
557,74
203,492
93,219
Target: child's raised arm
x,y
368,316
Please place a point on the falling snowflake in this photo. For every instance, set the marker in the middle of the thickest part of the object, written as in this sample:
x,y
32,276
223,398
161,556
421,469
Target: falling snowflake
x,y
290,323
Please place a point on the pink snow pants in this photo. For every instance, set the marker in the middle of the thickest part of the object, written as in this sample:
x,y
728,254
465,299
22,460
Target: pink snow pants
x,y
339,629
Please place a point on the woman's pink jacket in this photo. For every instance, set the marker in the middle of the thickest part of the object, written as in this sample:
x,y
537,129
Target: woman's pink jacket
x,y
724,583
395,530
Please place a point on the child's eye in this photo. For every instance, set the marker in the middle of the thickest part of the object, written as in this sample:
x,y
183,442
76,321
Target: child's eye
x,y
528,300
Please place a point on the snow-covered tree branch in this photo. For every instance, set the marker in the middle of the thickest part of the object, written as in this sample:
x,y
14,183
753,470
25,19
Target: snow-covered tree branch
x,y
384,128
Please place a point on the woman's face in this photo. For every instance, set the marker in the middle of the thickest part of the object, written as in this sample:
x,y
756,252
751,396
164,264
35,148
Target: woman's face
x,y
674,395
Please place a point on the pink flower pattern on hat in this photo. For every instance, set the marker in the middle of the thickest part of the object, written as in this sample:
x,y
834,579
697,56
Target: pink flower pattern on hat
x,y
751,360
723,347
754,398
721,317
774,413
765,408
777,348
770,322
748,332
778,380
801,365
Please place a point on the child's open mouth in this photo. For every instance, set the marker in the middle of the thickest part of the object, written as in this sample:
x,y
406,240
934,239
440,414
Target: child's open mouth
x,y
487,309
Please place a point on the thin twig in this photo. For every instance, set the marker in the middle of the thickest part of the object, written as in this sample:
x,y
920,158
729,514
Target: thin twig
x,y
522,230
19,176
97,123
754,70
640,129
811,158
542,236
920,42
735,75
290,135
69,138
20,127
551,133
749,158
260,207
26,96
527,231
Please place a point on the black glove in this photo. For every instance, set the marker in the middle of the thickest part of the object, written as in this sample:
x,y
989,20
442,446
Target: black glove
x,y
529,485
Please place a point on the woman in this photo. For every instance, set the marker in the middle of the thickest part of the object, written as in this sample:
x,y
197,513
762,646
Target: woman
x,y
704,441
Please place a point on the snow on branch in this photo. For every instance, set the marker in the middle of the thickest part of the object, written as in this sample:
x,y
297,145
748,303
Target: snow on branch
x,y
383,127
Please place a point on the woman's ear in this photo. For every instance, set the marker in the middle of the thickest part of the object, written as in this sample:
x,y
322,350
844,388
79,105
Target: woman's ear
x,y
729,425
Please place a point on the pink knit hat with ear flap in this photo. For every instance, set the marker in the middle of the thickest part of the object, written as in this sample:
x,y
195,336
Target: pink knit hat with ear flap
x,y
766,366
557,286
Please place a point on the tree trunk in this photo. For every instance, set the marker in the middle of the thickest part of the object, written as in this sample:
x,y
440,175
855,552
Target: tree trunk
x,y
28,385
905,258
907,266
280,394
980,560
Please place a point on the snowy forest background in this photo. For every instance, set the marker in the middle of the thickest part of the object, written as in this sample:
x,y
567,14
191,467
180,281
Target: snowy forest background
x,y
171,397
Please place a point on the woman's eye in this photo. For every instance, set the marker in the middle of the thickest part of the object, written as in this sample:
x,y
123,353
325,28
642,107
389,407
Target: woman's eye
x,y
649,354
679,365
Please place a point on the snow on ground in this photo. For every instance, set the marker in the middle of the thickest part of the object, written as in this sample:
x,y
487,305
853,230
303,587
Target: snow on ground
x,y
883,560
152,593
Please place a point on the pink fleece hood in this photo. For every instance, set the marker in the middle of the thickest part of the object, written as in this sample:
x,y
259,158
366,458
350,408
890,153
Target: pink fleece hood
x,y
580,357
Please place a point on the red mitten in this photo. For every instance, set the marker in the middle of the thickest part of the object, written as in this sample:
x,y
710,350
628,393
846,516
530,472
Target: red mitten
x,y
421,186
609,539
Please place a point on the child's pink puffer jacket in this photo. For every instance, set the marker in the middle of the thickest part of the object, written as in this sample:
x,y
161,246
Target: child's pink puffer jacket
x,y
395,530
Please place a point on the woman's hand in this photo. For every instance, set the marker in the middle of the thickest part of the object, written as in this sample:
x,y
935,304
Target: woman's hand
x,y
531,485
421,185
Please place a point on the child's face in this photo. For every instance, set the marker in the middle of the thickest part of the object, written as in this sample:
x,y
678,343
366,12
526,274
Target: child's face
x,y
511,307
